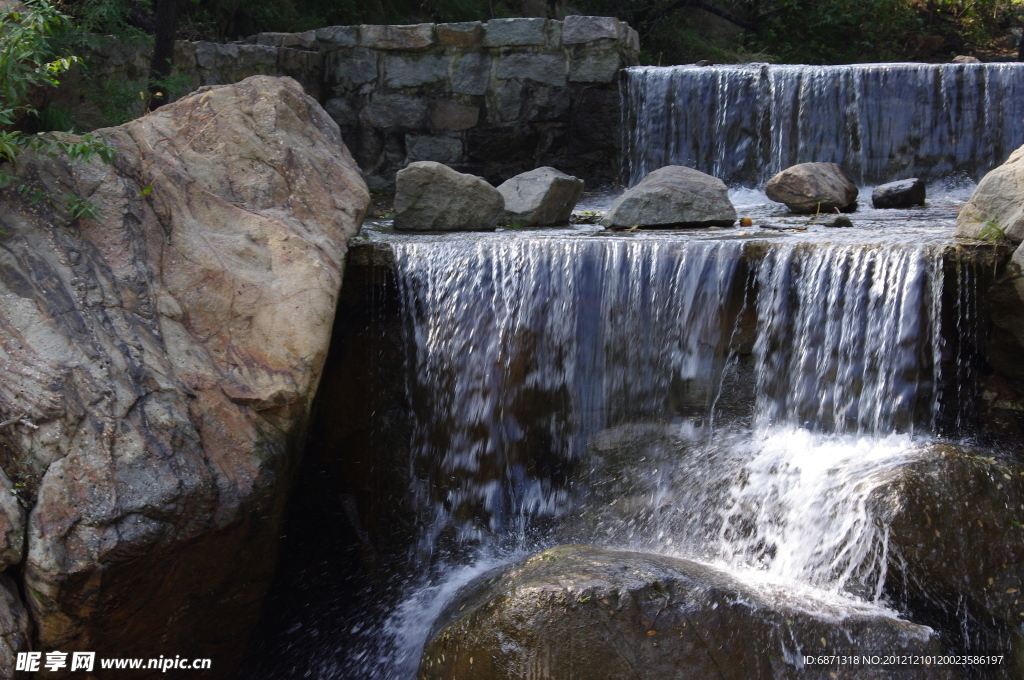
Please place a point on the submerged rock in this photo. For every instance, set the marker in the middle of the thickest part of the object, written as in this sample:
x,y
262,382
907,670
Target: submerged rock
x,y
430,196
996,208
160,357
673,196
580,612
813,187
833,221
902,194
540,198
955,536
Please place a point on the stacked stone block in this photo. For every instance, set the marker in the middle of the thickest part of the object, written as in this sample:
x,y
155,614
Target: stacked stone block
x,y
493,99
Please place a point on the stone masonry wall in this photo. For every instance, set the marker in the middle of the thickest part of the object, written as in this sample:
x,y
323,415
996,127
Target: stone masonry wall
x,y
494,99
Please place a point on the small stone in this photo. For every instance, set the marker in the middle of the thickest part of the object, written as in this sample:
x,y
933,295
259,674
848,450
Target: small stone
x,y
582,29
409,37
902,194
463,34
833,221
540,198
813,188
510,32
965,59
432,197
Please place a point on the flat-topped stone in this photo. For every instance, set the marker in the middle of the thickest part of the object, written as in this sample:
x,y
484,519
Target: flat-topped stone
x,y
582,29
902,194
430,196
462,34
540,198
510,32
410,37
333,37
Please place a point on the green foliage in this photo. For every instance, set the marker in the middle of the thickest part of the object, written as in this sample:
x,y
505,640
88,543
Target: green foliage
x,y
31,58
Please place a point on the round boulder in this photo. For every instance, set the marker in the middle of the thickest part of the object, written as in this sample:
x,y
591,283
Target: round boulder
x,y
540,198
580,612
673,196
430,196
956,540
813,187
902,194
996,208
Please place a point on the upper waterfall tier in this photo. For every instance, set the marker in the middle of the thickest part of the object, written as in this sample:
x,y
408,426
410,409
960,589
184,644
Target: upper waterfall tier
x,y
878,121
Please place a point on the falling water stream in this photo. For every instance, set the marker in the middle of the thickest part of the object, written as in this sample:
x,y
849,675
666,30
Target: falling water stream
x,y
878,121
730,399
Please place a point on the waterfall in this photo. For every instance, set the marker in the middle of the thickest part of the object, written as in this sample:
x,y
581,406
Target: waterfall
x,y
879,122
523,349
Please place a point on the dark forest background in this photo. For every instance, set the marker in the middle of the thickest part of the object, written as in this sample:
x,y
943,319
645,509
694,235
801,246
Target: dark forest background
x,y
672,31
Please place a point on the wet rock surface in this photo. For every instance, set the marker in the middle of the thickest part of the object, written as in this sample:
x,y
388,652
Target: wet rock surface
x,y
159,359
671,196
902,194
812,187
430,196
540,198
956,539
578,611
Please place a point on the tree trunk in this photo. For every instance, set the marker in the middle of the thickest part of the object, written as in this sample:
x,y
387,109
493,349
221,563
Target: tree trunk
x,y
166,15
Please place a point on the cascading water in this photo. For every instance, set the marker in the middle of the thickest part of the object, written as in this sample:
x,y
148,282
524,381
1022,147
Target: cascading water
x,y
732,397
879,122
573,389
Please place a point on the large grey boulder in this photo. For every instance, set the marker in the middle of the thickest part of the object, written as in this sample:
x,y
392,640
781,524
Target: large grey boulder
x,y
430,196
673,196
902,194
158,361
540,198
996,208
580,612
955,542
812,187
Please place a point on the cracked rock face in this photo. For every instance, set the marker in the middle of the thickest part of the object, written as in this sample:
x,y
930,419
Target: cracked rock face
x,y
580,612
157,364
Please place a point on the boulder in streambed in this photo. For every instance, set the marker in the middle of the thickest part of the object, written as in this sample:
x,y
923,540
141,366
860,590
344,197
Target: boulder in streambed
x,y
996,208
955,536
540,198
430,196
904,193
673,196
160,355
813,187
580,612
